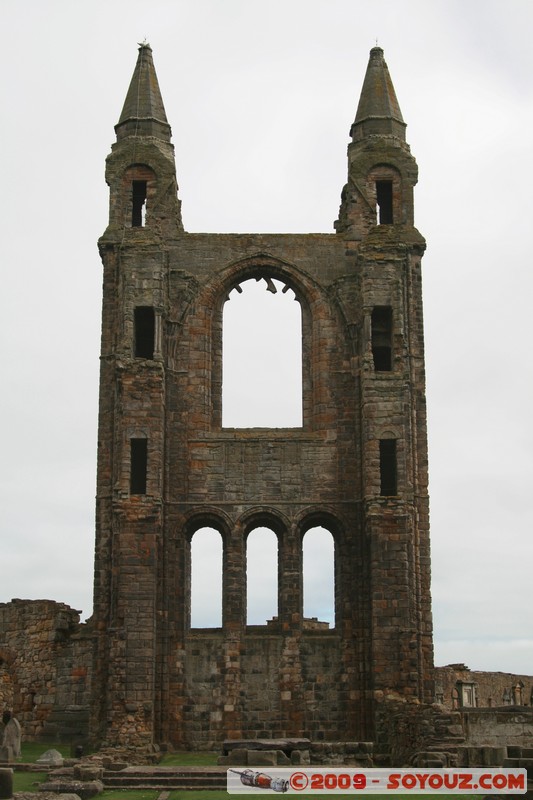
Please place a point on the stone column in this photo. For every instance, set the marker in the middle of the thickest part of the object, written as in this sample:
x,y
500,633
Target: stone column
x,y
290,580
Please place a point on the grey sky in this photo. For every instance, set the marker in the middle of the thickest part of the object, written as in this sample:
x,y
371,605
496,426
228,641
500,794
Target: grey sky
x,y
260,96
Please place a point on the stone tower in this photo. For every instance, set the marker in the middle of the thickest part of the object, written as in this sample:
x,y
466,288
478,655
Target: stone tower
x,y
167,467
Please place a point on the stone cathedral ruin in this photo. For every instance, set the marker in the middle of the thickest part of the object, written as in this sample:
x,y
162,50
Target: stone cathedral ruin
x,y
167,467
137,673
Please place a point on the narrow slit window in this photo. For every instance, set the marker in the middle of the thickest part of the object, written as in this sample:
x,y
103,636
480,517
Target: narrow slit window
x,y
138,197
384,202
388,467
144,333
382,338
138,465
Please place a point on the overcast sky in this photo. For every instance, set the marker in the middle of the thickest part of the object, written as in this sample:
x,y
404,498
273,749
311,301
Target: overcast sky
x,y
261,96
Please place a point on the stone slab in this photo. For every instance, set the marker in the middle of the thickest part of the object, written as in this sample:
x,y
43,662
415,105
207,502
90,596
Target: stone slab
x,y
287,745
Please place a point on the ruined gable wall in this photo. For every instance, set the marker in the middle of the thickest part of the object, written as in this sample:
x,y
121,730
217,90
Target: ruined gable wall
x,y
45,669
238,682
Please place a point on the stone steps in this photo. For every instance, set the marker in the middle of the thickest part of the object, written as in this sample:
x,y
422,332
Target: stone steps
x,y
166,779
158,778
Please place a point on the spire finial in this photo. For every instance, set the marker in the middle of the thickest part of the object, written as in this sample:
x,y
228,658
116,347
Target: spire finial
x,y
378,112
143,113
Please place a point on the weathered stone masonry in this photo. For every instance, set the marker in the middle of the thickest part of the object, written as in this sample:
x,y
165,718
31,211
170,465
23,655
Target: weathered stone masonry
x,y
45,669
45,665
167,467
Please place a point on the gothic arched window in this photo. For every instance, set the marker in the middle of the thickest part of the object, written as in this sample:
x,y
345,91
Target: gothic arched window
x,y
206,579
262,356
261,576
319,575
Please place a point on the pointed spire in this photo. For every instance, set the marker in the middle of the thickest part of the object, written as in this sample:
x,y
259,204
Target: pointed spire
x,y
378,112
143,113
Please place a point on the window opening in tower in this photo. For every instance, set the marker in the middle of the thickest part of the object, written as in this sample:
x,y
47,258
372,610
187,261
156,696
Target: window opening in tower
x,y
138,211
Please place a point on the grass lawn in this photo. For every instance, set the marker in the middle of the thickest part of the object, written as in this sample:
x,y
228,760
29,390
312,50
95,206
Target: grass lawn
x,y
31,751
28,781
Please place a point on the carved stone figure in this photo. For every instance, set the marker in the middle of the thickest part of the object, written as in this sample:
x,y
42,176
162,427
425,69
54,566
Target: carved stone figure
x,y
12,735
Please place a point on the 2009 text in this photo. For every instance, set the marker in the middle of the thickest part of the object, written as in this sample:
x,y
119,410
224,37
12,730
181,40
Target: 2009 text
x,y
366,781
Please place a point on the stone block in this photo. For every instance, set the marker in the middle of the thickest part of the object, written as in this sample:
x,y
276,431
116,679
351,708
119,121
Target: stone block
x,y
262,758
115,766
51,758
360,760
494,756
6,783
87,772
527,764
300,757
84,789
237,757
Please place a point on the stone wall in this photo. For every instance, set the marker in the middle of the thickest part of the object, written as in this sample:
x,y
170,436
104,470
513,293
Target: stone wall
x,y
502,727
264,662
45,671
457,686
406,731
45,656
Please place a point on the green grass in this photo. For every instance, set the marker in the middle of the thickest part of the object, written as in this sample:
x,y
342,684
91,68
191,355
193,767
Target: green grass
x,y
31,751
28,781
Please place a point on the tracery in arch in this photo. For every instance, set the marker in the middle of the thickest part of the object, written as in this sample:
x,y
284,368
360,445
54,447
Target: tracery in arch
x,y
262,356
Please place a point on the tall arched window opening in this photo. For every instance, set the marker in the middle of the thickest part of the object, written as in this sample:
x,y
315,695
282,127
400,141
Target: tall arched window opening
x,y
261,576
262,356
319,575
206,579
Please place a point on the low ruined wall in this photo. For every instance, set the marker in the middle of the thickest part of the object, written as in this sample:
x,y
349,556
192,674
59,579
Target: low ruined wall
x,y
490,689
404,730
503,727
45,671
45,657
